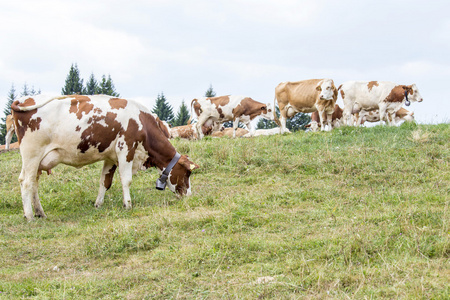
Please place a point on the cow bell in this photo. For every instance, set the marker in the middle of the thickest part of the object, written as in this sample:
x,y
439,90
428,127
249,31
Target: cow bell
x,y
160,185
407,102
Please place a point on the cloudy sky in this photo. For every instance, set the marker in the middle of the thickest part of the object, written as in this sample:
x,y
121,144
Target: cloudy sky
x,y
241,47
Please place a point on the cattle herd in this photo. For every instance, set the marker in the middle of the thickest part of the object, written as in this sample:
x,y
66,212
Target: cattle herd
x,y
78,130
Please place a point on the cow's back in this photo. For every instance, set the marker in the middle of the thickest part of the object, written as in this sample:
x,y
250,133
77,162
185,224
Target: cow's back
x,y
84,129
298,94
366,93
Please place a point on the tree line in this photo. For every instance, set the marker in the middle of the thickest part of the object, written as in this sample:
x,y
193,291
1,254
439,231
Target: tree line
x,y
74,84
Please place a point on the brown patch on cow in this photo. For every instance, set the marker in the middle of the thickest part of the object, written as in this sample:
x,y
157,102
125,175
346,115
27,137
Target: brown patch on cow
x,y
79,105
78,128
197,107
342,94
97,110
220,111
220,101
249,107
120,145
371,84
397,94
117,103
99,136
27,102
25,117
109,177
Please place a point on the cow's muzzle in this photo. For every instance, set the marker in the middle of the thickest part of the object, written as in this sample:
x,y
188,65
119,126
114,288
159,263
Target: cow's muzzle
x,y
161,182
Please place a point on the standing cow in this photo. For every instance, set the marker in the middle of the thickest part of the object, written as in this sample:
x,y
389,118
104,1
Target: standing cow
x,y
229,108
385,96
306,96
80,130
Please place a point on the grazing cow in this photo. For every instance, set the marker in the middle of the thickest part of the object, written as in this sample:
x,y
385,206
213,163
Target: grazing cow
x,y
387,97
306,96
229,108
80,130
374,116
189,132
336,118
9,131
229,132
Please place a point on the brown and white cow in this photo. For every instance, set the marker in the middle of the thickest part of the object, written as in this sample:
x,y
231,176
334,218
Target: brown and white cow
x,y
374,116
336,119
9,131
306,96
229,108
80,130
189,131
387,97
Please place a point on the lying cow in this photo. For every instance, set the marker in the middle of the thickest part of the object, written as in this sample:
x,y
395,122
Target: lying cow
x,y
229,132
306,96
9,131
266,132
374,116
80,130
189,131
336,119
386,97
229,108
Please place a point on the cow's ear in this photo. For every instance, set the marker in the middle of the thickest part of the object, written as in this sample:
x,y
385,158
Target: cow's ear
x,y
319,86
189,165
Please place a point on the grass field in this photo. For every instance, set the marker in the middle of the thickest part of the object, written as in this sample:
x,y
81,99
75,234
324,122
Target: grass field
x,y
356,213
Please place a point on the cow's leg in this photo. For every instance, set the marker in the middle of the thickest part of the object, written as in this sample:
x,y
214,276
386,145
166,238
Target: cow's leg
x,y
283,118
198,126
235,126
28,180
8,137
250,128
321,118
382,109
105,181
329,121
126,174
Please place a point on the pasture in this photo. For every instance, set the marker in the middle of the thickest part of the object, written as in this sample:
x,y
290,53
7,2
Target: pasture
x,y
356,213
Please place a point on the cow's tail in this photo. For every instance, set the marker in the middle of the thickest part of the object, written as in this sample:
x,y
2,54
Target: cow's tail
x,y
275,117
15,105
192,115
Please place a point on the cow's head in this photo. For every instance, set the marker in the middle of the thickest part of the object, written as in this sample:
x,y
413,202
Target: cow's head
x,y
267,112
413,93
327,89
178,181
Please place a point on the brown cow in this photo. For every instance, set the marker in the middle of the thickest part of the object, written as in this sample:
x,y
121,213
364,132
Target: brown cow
x,y
336,119
306,96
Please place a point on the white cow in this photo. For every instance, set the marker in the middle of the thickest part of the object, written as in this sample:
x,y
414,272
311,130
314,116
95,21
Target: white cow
x,y
387,97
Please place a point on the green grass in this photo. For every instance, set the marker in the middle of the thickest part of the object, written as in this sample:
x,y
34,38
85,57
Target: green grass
x,y
359,213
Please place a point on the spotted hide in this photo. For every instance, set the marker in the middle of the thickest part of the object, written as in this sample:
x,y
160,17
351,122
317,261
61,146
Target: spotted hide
x,y
306,96
80,130
229,108
386,97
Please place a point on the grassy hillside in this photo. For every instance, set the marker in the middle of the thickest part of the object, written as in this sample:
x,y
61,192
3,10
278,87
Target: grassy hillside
x,y
357,213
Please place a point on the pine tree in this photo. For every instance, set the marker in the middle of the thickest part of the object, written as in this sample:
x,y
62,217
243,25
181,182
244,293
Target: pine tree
x,y
106,87
163,109
92,87
7,111
182,115
74,85
210,92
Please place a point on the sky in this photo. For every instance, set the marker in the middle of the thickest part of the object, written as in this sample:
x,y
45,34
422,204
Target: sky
x,y
181,48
